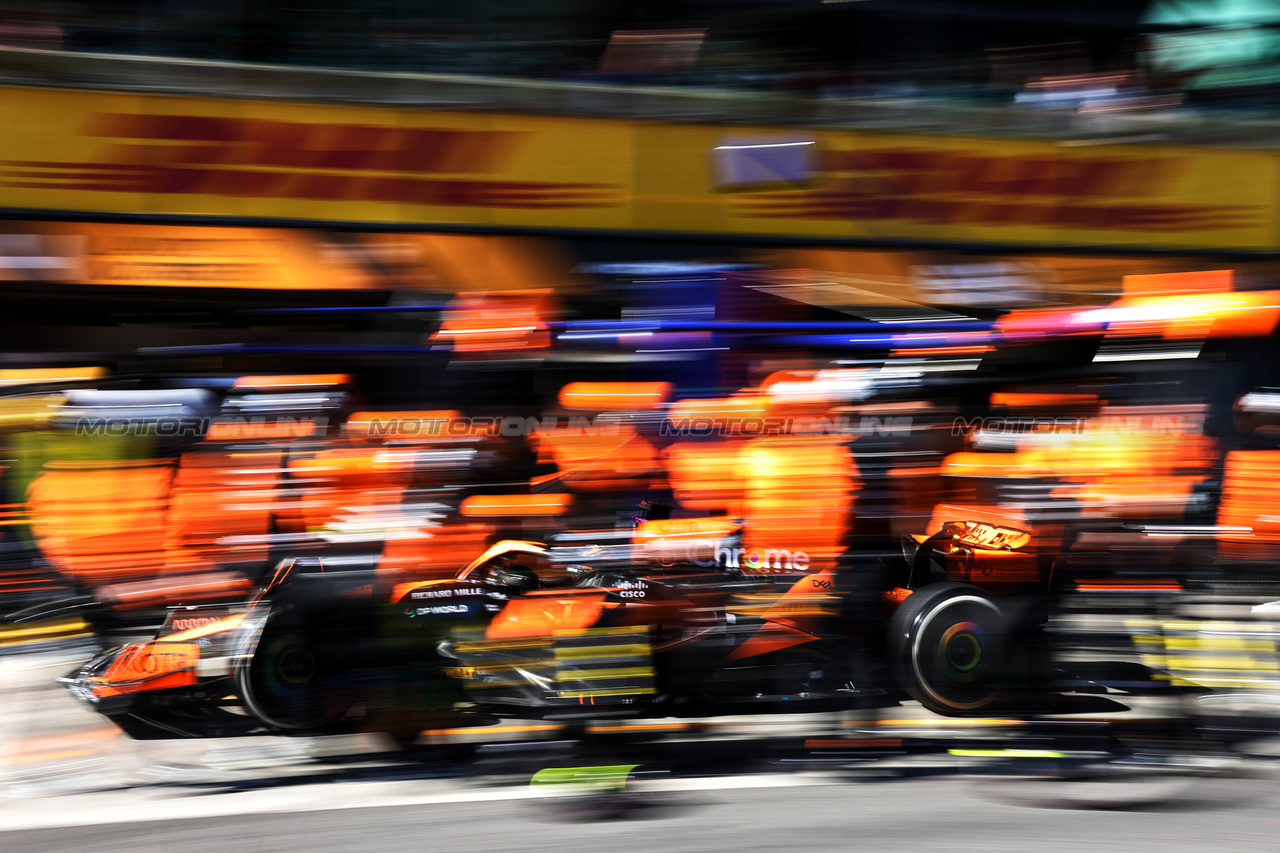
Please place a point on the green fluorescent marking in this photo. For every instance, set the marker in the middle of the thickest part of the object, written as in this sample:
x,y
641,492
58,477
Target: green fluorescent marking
x,y
613,777
1006,753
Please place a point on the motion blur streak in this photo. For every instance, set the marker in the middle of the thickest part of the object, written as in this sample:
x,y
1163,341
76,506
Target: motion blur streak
x,y
608,403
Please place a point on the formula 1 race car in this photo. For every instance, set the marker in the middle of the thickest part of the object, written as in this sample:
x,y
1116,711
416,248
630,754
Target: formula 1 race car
x,y
327,646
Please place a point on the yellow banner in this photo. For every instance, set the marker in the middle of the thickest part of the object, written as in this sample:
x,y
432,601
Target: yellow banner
x,y
118,253
127,253
66,150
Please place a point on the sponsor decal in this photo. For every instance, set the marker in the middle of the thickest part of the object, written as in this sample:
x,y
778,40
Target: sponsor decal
x,y
186,623
176,154
989,536
445,593
159,660
631,589
184,619
976,188
709,552
443,610
762,558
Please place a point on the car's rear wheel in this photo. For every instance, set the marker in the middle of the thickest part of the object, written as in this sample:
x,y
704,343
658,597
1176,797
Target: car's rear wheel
x,y
946,643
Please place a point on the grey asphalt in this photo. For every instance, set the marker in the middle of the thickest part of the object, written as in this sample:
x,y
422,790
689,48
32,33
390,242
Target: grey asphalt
x,y
64,788
956,816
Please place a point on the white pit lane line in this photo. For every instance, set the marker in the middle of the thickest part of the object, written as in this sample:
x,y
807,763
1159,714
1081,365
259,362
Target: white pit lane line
x,y
139,805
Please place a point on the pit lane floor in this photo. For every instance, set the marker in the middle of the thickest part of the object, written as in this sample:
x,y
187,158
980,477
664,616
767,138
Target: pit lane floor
x,y
915,815
68,781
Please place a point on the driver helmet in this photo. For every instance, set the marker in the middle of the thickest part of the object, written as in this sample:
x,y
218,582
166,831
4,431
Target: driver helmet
x,y
516,576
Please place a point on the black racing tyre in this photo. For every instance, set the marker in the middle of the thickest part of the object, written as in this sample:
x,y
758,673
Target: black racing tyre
x,y
946,643
284,683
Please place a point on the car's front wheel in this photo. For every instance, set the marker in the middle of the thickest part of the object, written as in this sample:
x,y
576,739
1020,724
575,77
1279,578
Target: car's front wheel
x,y
286,682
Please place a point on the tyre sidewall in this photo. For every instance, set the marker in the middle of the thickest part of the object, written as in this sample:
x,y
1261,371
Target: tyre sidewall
x,y
945,644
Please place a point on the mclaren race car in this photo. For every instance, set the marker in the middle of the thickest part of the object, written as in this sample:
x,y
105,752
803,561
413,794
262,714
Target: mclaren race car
x,y
326,646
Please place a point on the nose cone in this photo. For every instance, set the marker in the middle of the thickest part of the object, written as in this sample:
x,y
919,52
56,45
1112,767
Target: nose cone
x,y
81,681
